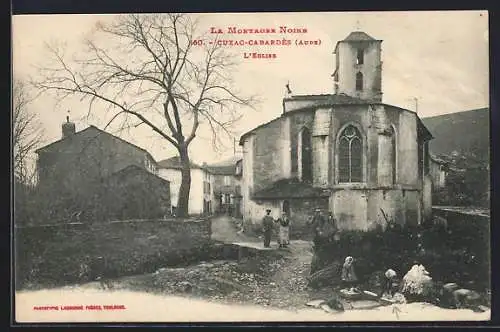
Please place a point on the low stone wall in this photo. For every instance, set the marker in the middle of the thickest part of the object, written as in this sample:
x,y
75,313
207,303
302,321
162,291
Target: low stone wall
x,y
53,253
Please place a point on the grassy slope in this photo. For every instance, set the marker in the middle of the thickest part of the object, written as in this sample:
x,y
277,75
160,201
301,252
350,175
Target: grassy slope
x,y
466,132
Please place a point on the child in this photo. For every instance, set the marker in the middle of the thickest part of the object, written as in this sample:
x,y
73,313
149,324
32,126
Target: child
x,y
348,275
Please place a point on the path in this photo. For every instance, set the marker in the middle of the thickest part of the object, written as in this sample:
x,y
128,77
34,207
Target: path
x,y
224,229
143,307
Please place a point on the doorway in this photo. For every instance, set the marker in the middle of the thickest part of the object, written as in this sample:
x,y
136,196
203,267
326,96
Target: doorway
x,y
286,207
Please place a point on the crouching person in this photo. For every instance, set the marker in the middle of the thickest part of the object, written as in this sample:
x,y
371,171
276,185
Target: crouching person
x,y
389,281
349,278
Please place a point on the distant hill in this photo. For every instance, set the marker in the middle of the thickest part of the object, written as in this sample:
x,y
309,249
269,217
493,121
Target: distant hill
x,y
466,132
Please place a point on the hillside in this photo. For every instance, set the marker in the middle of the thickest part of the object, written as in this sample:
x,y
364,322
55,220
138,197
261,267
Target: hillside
x,y
466,132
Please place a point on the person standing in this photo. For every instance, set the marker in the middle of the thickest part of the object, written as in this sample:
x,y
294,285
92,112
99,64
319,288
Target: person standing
x,y
284,235
267,227
333,227
321,254
317,222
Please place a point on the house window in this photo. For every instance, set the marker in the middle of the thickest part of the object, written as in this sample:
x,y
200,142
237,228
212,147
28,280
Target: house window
x,y
350,149
360,59
227,180
305,155
359,81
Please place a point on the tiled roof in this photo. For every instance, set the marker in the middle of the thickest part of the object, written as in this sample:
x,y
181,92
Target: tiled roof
x,y
290,188
225,167
358,35
221,170
87,134
329,98
174,163
135,169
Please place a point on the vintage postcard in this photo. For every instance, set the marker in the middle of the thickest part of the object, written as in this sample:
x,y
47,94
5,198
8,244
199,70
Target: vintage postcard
x,y
251,167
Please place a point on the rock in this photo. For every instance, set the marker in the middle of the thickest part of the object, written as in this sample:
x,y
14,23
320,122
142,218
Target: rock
x,y
450,287
481,308
466,298
327,308
315,303
371,294
160,270
206,265
186,286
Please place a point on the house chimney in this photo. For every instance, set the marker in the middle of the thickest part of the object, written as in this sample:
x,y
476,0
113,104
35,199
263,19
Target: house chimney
x,y
68,128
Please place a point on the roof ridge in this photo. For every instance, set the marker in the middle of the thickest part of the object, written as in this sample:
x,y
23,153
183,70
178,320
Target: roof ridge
x,y
101,131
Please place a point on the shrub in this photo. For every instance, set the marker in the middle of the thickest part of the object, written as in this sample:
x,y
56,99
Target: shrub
x,y
459,256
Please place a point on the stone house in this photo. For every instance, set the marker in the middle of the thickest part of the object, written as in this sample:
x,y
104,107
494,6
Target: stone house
x,y
347,152
438,171
201,193
127,194
227,185
73,170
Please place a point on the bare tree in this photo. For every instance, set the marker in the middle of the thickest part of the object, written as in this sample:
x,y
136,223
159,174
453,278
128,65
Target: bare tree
x,y
158,71
27,133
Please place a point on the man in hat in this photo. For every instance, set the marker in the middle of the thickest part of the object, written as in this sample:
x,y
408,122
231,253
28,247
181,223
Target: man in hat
x,y
267,227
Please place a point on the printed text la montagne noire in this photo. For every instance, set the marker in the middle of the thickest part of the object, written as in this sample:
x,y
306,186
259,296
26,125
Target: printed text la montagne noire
x,y
233,30
237,30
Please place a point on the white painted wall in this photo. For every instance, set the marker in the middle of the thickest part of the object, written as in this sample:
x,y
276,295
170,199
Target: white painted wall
x,y
195,192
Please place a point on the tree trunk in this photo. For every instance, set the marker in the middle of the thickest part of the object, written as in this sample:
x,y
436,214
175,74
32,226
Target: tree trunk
x,y
183,200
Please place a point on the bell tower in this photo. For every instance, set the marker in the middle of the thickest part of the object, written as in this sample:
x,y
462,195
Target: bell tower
x,y
358,67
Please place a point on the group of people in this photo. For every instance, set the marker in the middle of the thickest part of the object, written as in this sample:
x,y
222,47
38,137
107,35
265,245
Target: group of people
x,y
350,280
325,228
284,229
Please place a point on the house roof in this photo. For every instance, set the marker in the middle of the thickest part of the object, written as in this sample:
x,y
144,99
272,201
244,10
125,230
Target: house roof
x,y
224,167
90,132
358,36
326,100
136,169
290,188
438,160
221,170
175,163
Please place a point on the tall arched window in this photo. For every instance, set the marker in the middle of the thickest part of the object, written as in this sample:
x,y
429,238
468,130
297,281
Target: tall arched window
x,y
359,81
350,155
305,155
360,59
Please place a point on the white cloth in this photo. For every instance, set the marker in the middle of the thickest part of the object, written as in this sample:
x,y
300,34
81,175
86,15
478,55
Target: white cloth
x,y
390,273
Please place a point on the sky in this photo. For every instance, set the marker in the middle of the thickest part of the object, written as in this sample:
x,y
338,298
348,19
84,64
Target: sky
x,y
440,58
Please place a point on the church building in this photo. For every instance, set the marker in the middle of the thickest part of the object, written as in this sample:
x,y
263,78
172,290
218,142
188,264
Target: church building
x,y
347,153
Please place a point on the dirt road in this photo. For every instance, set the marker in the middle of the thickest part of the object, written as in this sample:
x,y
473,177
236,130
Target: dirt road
x,y
224,229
